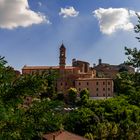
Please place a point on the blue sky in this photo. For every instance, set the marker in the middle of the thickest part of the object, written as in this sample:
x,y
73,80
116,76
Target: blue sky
x,y
32,31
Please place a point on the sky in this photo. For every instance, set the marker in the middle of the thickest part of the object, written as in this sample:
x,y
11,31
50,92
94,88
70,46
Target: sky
x,y
31,31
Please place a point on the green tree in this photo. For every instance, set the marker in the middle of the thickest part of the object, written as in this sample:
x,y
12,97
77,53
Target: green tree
x,y
84,96
124,83
72,95
134,54
82,118
133,57
84,93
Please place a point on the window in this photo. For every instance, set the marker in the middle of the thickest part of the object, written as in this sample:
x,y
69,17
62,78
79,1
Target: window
x,y
61,84
97,83
103,94
79,83
79,89
103,89
108,83
73,83
103,83
108,89
108,94
87,88
97,94
97,89
87,83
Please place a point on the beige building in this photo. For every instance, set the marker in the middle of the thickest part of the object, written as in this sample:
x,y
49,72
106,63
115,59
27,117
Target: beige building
x,y
80,75
97,87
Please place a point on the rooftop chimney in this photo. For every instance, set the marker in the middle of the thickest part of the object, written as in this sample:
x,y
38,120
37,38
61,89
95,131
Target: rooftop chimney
x,y
100,61
73,62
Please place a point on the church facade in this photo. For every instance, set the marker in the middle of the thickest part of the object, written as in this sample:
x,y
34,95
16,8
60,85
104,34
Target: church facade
x,y
80,76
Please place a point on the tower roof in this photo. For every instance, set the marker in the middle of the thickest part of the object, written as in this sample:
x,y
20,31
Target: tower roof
x,y
62,46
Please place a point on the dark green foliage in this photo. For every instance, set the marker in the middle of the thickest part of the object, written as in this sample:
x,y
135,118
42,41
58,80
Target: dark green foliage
x,y
133,57
72,96
84,94
60,96
127,83
80,121
19,121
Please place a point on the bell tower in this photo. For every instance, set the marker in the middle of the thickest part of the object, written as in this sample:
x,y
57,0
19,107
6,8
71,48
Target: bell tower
x,y
62,57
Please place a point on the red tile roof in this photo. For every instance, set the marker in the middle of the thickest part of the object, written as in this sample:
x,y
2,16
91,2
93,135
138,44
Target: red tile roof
x,y
62,135
46,67
39,67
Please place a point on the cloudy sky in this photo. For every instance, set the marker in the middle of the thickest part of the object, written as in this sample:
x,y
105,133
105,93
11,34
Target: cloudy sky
x,y
31,31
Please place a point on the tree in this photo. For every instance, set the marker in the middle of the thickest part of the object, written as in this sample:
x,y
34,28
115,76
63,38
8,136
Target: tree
x,y
134,54
83,118
17,121
50,89
72,95
133,57
124,83
84,96
84,93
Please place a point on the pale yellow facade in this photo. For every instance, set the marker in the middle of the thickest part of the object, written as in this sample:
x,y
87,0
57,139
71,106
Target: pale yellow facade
x,y
97,87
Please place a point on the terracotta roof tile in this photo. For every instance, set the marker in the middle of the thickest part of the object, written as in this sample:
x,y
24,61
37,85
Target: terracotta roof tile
x,y
63,135
40,67
46,67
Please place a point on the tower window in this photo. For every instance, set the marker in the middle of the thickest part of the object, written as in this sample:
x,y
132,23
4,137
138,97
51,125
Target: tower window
x,y
108,83
87,83
97,83
97,89
103,89
108,89
103,83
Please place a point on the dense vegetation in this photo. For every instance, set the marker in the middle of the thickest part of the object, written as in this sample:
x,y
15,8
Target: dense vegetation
x,y
114,118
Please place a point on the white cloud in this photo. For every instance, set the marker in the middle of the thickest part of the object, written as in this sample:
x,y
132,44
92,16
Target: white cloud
x,y
112,19
15,13
68,12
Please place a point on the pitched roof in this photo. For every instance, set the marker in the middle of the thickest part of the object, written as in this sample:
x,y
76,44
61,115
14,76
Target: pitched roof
x,y
82,61
62,46
62,135
40,67
46,67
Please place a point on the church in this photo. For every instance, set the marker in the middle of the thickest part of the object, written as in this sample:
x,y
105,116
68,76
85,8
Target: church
x,y
79,75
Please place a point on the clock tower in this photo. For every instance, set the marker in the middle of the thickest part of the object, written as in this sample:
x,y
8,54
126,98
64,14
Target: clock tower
x,y
62,57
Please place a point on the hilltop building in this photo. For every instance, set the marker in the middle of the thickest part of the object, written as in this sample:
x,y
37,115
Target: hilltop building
x,y
80,75
107,70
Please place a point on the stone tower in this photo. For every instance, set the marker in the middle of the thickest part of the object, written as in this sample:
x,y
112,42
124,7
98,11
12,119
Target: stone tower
x,y
62,57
